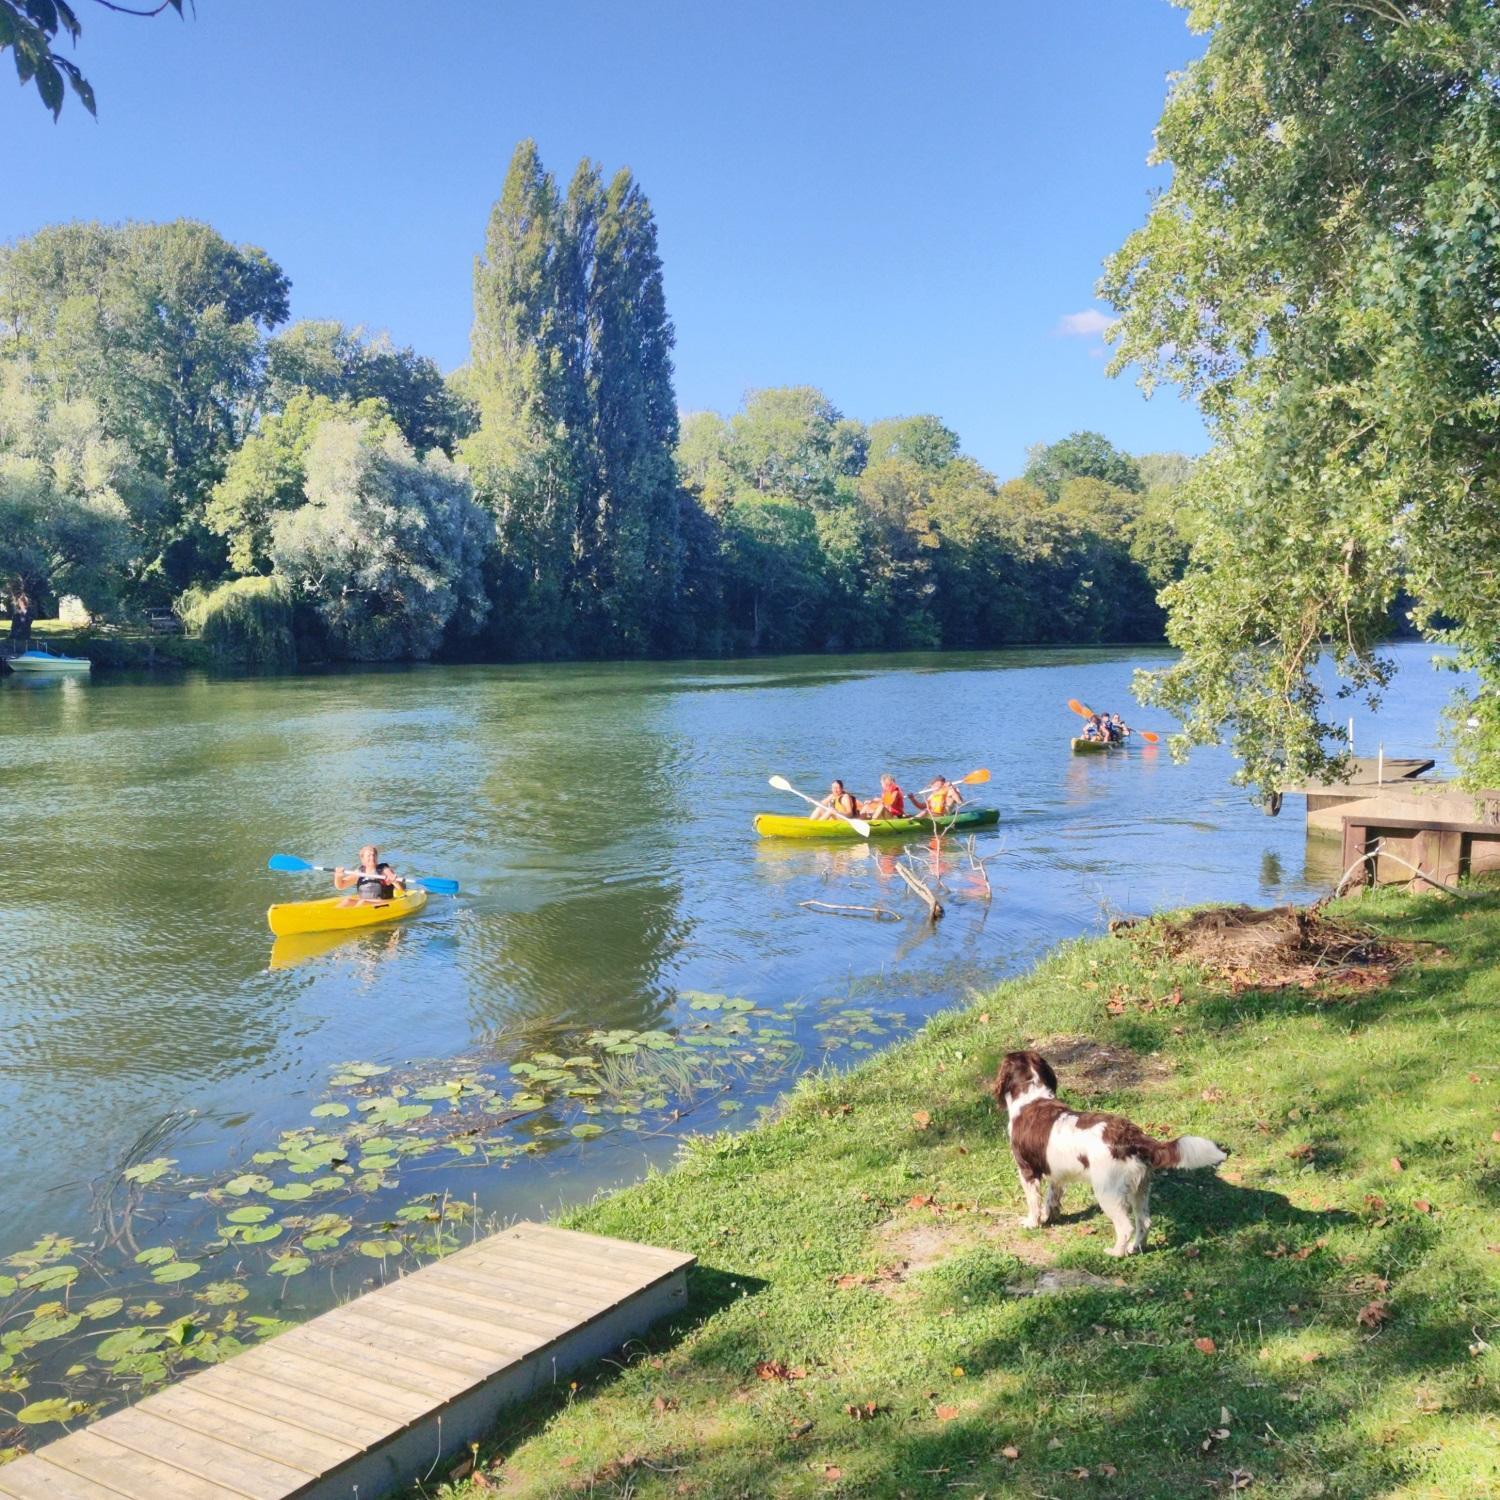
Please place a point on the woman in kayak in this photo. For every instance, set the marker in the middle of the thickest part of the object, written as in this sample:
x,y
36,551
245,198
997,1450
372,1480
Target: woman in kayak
x,y
374,882
837,801
891,803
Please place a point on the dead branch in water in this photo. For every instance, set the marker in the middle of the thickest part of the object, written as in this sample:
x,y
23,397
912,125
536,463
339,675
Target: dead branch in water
x,y
880,913
934,906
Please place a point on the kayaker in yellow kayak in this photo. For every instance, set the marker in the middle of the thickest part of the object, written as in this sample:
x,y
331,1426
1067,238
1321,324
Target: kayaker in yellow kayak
x,y
374,882
891,803
942,798
837,801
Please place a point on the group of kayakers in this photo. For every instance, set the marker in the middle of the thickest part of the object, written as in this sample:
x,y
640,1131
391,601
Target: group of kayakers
x,y
938,800
1106,729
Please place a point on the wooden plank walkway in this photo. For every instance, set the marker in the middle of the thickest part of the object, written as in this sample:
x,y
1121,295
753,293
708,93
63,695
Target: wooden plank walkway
x,y
379,1392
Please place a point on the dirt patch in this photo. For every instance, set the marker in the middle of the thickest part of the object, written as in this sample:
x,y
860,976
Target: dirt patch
x,y
1088,1067
1271,948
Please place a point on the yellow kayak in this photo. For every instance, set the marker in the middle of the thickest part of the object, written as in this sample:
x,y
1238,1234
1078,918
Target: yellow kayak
x,y
331,915
778,826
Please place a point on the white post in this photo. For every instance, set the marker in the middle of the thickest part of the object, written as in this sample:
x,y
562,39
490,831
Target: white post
x,y
1380,764
1351,735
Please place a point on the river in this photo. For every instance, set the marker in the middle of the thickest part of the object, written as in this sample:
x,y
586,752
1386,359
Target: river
x,y
598,818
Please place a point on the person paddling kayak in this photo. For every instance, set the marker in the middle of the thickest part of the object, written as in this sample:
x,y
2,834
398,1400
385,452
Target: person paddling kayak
x,y
942,798
374,881
891,803
837,801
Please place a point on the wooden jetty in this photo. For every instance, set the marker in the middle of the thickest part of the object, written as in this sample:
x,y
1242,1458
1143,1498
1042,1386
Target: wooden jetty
x,y
389,1388
1369,776
1386,849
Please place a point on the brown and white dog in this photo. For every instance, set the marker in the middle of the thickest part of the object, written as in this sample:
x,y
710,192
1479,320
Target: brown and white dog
x,y
1053,1144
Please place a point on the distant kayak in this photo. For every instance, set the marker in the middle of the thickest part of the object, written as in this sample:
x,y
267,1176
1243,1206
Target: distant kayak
x,y
1096,747
778,826
330,915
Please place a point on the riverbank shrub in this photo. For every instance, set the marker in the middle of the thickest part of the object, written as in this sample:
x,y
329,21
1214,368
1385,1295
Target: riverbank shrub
x,y
247,621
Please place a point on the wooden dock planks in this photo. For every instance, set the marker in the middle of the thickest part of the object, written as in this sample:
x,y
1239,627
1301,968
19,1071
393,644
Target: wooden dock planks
x,y
376,1392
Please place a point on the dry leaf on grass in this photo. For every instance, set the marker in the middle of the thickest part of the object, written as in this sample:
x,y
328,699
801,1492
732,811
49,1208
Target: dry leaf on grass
x,y
1010,1451
945,1413
921,1119
1373,1314
774,1369
1396,1164
1205,1346
863,1411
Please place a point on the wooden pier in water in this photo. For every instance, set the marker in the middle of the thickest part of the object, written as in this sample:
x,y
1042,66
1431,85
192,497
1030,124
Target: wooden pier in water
x,y
373,1395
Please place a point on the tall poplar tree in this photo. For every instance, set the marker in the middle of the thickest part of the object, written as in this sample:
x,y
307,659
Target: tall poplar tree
x,y
526,382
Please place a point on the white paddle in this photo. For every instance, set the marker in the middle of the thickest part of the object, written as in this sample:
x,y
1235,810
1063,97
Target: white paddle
x,y
857,824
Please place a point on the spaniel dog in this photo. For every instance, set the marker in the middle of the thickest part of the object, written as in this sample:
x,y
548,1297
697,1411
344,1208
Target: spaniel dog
x,y
1053,1144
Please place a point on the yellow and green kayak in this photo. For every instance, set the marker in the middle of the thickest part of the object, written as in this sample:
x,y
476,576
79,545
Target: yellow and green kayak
x,y
330,915
1096,747
777,826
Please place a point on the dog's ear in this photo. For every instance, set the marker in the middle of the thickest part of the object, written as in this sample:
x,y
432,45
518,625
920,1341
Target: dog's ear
x,y
1043,1070
1012,1079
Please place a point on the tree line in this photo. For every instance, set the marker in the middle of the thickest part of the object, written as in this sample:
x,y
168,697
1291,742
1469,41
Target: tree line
x,y
167,436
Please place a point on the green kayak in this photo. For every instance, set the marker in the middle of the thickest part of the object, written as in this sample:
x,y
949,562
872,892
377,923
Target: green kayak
x,y
778,826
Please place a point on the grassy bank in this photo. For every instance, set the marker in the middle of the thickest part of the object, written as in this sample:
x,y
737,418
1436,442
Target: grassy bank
x,y
1316,1320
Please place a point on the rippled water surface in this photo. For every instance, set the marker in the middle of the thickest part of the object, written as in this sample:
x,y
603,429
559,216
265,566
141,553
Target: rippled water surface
x,y
598,818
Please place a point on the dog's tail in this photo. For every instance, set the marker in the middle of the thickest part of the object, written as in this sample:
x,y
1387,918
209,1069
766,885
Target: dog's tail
x,y
1189,1152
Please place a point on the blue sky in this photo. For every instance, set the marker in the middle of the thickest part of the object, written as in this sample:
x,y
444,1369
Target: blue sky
x,y
900,204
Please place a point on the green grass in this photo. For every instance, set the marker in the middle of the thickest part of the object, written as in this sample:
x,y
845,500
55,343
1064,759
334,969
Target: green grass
x,y
980,1391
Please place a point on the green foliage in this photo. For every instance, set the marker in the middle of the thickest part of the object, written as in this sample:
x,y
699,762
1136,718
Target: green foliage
x,y
267,472
161,327
321,357
1081,455
387,549
1321,276
249,620
30,27
73,503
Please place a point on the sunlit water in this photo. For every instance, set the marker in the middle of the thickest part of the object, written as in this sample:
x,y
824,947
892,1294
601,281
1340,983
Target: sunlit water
x,y
598,818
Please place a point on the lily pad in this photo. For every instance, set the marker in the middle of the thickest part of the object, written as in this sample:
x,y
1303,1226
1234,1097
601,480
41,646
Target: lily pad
x,y
55,1409
50,1277
587,1132
258,1234
255,1213
222,1293
149,1171
379,1249
330,1110
289,1265
292,1191
103,1307
176,1270
247,1183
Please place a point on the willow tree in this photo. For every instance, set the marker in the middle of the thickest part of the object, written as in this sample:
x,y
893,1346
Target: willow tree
x,y
1323,278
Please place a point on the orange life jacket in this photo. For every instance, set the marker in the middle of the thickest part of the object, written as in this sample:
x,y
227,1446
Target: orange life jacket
x,y
942,801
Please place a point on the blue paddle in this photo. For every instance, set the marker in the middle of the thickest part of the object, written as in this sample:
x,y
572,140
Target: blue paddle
x,y
290,864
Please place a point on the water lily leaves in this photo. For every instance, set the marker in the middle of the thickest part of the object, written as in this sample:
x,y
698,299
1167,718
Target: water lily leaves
x,y
399,1114
8,1284
583,1091
103,1307
325,1184
155,1256
291,1191
378,1165
739,1005
182,1332
55,1409
319,1241
149,1171
127,1341
289,1265
380,1145
527,1101
697,1000
379,1249
247,1183
48,1278
330,1110
221,1293
176,1270
657,1041
258,1234
587,1132
53,1326
255,1213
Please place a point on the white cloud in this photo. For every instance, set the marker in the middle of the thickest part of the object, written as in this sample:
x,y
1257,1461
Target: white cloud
x,y
1088,324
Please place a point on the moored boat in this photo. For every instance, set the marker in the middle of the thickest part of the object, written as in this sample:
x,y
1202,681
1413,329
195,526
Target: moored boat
x,y
39,659
329,914
965,820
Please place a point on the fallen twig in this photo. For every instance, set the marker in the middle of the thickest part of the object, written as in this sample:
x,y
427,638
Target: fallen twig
x,y
880,913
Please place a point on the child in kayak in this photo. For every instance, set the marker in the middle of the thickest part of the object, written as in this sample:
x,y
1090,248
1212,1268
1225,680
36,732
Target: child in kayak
x,y
891,803
837,801
943,798
374,881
